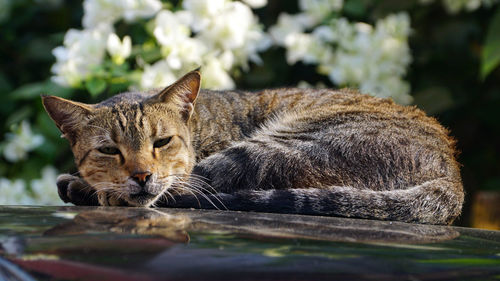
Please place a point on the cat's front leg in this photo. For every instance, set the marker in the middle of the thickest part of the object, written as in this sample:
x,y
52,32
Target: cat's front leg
x,y
230,170
73,189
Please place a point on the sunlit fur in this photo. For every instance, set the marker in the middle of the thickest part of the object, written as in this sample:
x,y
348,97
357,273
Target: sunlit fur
x,y
110,174
305,151
130,122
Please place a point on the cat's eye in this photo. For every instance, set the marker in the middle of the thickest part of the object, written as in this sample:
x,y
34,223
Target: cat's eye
x,y
162,142
109,150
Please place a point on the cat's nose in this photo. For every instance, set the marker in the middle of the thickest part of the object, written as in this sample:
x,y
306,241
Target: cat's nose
x,y
141,177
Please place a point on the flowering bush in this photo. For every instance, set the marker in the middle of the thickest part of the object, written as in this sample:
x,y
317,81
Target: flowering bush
x,y
455,6
383,49
372,58
221,35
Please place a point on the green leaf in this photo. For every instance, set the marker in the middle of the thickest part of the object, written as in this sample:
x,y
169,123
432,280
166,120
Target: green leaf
x,y
34,90
490,58
5,84
47,126
95,86
51,88
434,100
19,115
28,91
355,8
149,52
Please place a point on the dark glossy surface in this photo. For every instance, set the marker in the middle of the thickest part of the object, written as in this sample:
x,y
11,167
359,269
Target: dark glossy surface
x,y
87,243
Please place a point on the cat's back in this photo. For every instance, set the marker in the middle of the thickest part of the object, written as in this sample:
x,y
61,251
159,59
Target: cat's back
x,y
338,106
364,133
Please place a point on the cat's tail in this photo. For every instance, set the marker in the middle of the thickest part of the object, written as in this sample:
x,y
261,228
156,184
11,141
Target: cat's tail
x,y
437,201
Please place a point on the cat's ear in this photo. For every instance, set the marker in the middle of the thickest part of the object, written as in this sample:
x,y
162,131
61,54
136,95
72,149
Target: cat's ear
x,y
183,92
68,115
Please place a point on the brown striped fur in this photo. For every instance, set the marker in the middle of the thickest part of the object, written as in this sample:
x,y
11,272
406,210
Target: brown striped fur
x,y
306,151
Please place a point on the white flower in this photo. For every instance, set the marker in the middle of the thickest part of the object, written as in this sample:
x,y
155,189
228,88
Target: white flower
x,y
317,10
227,27
325,33
455,6
221,34
186,55
173,33
307,47
287,25
14,193
203,11
298,48
45,189
306,85
228,30
20,142
82,50
97,12
215,76
227,60
351,54
170,28
255,41
388,86
119,50
374,58
134,9
157,75
256,3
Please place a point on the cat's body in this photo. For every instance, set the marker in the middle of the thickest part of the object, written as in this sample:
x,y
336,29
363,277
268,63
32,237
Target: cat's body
x,y
301,151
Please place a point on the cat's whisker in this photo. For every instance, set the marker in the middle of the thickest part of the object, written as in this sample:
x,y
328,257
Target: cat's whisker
x,y
205,196
166,195
169,194
198,179
200,183
196,197
208,188
162,196
191,188
108,188
176,191
214,193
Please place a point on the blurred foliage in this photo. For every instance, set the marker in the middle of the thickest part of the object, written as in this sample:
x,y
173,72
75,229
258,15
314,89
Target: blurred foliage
x,y
28,36
454,75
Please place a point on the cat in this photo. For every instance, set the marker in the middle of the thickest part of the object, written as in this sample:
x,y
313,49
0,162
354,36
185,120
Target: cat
x,y
288,150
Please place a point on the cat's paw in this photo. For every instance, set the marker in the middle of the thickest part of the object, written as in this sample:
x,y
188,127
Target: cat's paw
x,y
75,190
106,199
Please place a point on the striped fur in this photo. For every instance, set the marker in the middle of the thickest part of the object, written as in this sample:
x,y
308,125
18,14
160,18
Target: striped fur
x,y
320,152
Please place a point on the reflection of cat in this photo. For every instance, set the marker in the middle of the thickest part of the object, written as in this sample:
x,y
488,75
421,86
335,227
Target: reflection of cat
x,y
176,225
139,221
318,152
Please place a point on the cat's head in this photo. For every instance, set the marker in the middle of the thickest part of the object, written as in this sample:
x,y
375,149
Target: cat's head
x,y
134,146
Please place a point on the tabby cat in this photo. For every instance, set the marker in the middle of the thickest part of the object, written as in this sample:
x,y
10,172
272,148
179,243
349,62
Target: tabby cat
x,y
304,151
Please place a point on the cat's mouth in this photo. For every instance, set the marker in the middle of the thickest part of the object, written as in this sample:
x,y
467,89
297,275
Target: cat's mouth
x,y
142,199
142,195
146,196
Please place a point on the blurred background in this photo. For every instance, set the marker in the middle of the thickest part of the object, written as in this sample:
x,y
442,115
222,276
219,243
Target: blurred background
x,y
440,55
